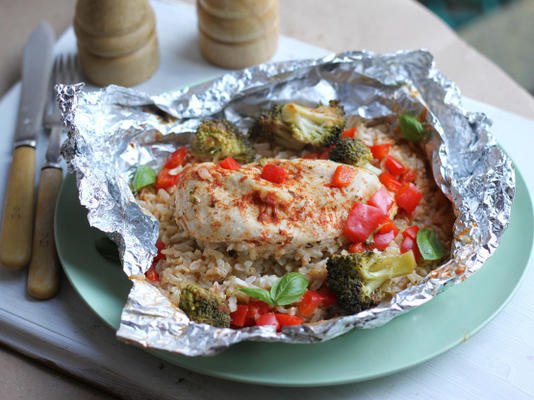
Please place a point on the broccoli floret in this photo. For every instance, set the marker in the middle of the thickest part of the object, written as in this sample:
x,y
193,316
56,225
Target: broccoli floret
x,y
203,307
294,126
351,151
355,278
218,139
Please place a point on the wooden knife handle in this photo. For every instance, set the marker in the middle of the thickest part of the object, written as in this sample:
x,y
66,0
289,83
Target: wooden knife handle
x,y
43,277
16,237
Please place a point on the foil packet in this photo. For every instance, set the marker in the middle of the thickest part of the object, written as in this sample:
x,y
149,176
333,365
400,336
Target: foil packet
x,y
113,130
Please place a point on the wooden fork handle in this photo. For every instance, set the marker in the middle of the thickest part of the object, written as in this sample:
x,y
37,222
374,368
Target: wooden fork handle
x,y
16,236
43,276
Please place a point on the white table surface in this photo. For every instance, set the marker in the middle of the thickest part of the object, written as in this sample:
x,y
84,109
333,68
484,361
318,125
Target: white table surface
x,y
498,362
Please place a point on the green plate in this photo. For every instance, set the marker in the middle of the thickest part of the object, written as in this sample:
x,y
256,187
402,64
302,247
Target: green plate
x,y
410,339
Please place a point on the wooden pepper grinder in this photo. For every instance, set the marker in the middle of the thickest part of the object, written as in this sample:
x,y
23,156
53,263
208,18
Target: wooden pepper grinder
x,y
117,42
237,33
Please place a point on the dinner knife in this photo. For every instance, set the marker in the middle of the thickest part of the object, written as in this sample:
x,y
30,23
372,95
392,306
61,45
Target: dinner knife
x,y
16,234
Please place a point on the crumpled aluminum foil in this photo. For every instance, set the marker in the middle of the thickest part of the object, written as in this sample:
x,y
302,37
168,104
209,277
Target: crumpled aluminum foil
x,y
115,129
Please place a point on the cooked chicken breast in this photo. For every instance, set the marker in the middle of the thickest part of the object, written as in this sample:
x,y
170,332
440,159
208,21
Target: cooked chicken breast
x,y
214,204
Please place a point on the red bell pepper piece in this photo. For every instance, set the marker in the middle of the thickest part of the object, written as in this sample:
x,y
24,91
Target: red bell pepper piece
x,y
394,166
408,197
381,199
359,247
253,314
387,232
261,306
349,132
388,226
152,274
411,232
382,240
256,308
410,241
389,181
329,298
380,150
362,221
165,180
312,299
176,158
274,173
343,176
239,316
408,176
288,320
408,244
309,303
268,319
160,246
230,163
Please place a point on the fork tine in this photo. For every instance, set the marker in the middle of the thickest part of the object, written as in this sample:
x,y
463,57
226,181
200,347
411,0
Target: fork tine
x,y
75,78
68,68
64,71
79,74
55,70
78,68
52,94
73,73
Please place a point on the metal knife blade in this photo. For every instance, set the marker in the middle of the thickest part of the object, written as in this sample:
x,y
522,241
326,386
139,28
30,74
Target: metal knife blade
x,y
17,220
36,67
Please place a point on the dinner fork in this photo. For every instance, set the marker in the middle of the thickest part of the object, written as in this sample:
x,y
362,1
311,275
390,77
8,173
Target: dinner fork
x,y
43,275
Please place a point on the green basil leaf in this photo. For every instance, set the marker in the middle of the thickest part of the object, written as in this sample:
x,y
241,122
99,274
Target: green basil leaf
x,y
429,245
260,294
411,128
143,176
288,288
108,249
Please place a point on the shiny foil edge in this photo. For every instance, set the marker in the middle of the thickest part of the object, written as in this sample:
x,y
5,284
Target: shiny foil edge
x,y
468,166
